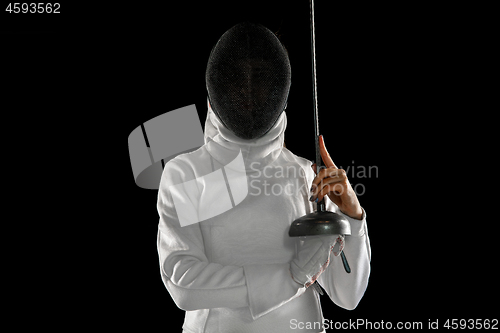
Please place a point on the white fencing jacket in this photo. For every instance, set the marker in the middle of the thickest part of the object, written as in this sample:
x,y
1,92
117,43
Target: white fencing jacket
x,y
230,272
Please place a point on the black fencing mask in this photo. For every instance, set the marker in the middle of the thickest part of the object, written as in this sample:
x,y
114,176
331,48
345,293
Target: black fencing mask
x,y
248,79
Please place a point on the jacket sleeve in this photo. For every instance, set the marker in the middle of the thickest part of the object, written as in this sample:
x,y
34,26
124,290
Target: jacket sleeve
x,y
347,289
195,283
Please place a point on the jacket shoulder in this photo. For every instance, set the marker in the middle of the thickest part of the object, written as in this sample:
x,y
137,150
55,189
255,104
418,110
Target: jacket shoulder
x,y
304,163
291,157
185,167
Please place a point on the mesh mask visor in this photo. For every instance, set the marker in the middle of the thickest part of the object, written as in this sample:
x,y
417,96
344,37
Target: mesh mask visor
x,y
248,78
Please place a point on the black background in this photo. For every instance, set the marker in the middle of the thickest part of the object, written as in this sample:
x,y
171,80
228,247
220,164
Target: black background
x,y
78,83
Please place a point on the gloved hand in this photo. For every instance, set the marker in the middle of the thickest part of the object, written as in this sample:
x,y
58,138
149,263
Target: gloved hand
x,y
313,257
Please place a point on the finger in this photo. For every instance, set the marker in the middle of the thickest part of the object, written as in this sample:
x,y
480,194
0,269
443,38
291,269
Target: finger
x,y
325,156
314,167
331,172
336,188
331,181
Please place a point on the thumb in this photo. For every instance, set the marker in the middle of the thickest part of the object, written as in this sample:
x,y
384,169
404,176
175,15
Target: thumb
x,y
314,167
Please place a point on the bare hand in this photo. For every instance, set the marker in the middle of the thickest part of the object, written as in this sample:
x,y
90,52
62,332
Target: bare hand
x,y
333,182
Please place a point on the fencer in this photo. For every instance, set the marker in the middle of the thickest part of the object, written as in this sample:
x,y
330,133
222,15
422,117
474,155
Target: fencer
x,y
237,270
